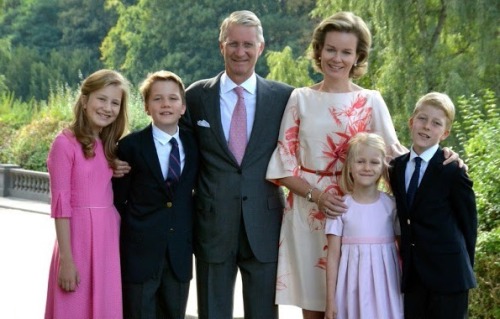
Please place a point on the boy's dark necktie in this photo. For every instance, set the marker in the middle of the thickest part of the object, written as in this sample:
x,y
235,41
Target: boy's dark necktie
x,y
174,166
412,188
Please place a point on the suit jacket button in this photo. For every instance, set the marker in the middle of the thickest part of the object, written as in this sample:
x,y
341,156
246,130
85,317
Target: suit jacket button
x,y
169,204
171,230
245,197
412,244
239,171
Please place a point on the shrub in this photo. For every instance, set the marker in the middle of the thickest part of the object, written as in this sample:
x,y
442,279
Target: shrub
x,y
479,132
485,299
6,132
32,143
138,118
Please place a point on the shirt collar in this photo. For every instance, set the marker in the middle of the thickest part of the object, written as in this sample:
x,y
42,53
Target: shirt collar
x,y
226,84
163,137
426,155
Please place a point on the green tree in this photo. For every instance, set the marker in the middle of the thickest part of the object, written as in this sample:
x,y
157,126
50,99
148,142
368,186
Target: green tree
x,y
284,68
51,42
182,36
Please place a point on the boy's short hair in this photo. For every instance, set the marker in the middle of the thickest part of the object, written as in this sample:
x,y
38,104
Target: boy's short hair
x,y
439,100
162,75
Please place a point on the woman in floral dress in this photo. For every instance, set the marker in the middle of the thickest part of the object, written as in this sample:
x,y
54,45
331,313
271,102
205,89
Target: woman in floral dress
x,y
316,127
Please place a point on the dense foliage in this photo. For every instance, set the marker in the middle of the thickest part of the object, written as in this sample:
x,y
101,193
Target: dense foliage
x,y
44,43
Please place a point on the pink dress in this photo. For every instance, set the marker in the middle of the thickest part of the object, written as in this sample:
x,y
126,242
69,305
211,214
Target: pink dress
x,y
81,190
369,276
315,130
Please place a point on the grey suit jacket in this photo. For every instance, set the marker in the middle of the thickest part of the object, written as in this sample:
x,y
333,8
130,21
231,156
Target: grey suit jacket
x,y
226,192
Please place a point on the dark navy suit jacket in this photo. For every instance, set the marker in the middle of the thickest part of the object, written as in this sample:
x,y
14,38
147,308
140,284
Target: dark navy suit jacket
x,y
439,230
154,225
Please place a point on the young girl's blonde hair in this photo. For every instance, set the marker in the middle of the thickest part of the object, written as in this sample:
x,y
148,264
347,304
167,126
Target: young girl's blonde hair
x,y
357,142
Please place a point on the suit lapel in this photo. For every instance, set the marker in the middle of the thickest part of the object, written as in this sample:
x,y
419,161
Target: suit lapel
x,y
188,147
211,110
261,115
149,153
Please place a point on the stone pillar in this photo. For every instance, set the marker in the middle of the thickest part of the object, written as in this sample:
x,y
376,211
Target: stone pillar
x,y
5,178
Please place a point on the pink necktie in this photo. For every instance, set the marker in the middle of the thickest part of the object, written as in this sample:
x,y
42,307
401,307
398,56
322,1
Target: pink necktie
x,y
238,129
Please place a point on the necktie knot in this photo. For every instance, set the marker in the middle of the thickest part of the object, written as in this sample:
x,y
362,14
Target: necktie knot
x,y
418,161
173,142
239,92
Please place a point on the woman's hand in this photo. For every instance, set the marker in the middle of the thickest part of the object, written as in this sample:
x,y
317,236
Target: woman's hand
x,y
332,205
121,168
68,278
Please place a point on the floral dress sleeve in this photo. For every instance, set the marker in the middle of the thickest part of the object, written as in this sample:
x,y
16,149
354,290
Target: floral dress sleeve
x,y
59,163
285,159
382,124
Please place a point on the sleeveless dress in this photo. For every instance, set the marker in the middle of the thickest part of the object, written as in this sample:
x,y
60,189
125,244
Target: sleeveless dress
x,y
81,190
315,130
369,276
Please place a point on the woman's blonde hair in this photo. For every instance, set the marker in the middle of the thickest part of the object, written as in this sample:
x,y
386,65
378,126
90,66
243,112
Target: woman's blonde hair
x,y
109,134
356,143
344,22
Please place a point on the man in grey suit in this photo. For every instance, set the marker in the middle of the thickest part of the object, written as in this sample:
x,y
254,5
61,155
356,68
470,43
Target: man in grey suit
x,y
238,213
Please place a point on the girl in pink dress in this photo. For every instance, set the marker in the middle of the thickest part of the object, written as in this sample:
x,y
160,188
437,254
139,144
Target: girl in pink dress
x,y
363,272
85,278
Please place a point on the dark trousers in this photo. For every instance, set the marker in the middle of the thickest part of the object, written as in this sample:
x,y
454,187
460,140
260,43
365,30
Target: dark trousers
x,y
216,281
161,297
423,303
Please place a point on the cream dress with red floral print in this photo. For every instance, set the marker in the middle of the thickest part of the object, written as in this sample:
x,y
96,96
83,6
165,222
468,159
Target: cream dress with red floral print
x,y
315,130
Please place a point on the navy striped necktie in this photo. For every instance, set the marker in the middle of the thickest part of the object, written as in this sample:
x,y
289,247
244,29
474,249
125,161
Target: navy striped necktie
x,y
174,166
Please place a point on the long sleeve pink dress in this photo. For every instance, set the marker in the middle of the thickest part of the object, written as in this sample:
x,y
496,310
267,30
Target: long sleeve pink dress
x,y
81,190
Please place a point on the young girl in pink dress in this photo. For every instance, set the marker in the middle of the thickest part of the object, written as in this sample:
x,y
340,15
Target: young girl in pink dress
x,y
85,277
363,272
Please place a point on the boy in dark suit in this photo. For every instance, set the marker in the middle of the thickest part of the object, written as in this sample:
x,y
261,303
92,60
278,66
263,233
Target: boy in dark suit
x,y
155,201
437,213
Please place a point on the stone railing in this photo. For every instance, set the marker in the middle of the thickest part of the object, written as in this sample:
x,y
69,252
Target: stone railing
x,y
21,183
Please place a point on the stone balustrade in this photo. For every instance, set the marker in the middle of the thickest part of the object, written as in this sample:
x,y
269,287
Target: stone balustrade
x,y
26,184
